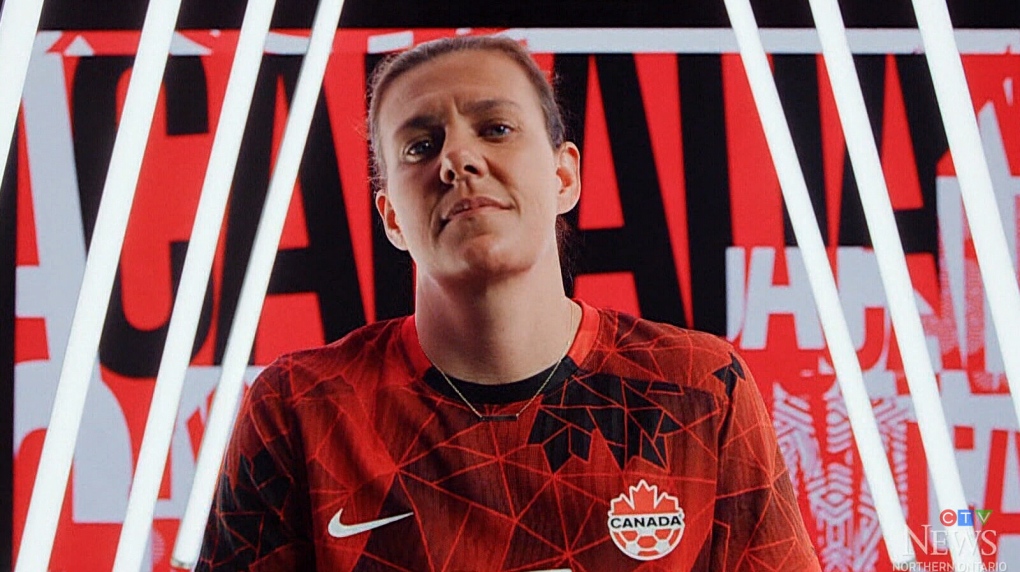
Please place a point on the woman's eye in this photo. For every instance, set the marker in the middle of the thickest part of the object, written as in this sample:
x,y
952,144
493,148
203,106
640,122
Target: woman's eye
x,y
418,149
497,130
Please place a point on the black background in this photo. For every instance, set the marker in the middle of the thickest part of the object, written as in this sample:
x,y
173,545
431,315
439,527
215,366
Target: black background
x,y
661,13
112,14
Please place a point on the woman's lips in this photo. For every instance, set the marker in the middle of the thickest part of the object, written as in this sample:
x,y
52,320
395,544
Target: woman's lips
x,y
470,205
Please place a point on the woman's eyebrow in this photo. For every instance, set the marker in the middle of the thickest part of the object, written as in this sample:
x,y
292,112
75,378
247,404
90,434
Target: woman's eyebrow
x,y
421,122
491,104
429,121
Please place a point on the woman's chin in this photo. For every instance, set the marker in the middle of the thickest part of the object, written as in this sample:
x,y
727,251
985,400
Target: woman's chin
x,y
490,262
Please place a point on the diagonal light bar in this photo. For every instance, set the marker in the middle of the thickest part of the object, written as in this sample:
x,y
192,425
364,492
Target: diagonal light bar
x,y
19,23
256,281
957,109
892,265
823,285
94,296
194,281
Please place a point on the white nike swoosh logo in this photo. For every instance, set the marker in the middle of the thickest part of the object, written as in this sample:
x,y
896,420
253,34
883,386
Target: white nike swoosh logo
x,y
340,530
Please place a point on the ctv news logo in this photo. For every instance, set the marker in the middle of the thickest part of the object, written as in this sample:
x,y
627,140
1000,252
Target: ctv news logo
x,y
936,542
964,517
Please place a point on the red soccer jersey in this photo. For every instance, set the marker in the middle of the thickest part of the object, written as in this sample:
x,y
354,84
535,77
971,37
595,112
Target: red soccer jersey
x,y
649,449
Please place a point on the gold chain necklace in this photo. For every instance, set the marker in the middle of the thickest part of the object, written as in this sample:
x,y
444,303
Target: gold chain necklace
x,y
513,416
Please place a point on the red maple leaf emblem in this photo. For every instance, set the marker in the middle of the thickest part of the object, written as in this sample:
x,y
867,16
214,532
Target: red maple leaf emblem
x,y
644,499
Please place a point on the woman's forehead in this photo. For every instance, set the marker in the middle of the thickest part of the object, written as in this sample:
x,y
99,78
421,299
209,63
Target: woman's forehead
x,y
463,77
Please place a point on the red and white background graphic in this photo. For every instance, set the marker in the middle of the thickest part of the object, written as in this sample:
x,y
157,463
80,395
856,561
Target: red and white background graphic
x,y
681,220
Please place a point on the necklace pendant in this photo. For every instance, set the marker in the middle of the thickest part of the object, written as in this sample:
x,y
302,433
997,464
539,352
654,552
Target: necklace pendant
x,y
490,418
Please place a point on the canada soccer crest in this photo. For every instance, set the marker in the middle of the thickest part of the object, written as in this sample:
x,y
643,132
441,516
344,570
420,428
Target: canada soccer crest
x,y
646,524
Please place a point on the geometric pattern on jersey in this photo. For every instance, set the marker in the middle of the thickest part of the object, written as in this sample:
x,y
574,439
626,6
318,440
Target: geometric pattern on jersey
x,y
730,374
253,533
631,416
368,426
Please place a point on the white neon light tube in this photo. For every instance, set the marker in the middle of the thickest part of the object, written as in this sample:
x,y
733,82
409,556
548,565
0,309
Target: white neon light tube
x,y
19,23
256,281
976,189
899,291
94,296
191,292
823,285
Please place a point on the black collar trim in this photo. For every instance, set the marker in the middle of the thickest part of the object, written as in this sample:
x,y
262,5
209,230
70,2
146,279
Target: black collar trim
x,y
503,393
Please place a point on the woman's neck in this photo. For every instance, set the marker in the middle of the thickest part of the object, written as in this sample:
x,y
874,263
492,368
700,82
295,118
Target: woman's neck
x,y
504,333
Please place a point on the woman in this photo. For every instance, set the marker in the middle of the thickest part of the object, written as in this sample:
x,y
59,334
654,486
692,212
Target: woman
x,y
503,426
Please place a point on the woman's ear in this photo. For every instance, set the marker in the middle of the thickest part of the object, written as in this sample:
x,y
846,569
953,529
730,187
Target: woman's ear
x,y
389,220
568,171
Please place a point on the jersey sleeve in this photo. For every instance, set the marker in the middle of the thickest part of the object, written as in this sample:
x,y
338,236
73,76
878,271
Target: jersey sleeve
x,y
260,515
758,524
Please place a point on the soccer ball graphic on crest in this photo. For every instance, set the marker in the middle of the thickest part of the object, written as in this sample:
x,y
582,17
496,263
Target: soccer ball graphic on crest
x,y
645,524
